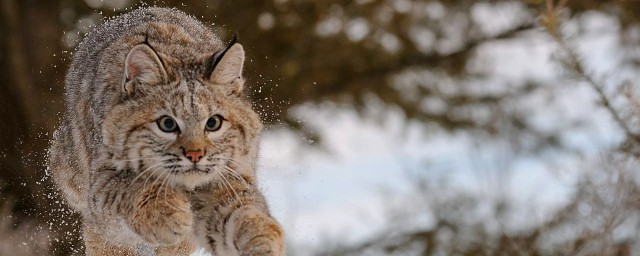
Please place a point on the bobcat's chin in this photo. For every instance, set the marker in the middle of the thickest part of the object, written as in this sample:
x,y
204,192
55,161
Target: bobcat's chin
x,y
193,177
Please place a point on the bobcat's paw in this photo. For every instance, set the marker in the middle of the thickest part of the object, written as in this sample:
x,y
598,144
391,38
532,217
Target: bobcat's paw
x,y
259,235
262,246
162,219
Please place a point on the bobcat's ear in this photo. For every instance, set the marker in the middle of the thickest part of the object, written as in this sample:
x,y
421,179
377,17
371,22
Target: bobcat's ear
x,y
227,67
143,67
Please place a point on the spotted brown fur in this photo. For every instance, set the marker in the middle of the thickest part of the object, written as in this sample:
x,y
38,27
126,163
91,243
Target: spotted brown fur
x,y
130,181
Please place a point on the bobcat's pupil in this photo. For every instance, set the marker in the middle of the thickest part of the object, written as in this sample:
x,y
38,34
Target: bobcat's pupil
x,y
167,124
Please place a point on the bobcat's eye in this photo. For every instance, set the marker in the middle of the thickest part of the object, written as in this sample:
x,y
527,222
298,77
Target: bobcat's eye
x,y
214,123
167,124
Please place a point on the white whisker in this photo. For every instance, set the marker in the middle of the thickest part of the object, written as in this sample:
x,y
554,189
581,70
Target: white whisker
x,y
230,187
165,185
156,193
235,175
138,159
143,172
234,161
151,175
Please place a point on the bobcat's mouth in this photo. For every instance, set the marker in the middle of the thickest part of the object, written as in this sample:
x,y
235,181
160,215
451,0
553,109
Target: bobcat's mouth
x,y
192,176
192,169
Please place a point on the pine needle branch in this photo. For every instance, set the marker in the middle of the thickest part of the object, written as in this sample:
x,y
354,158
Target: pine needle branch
x,y
551,22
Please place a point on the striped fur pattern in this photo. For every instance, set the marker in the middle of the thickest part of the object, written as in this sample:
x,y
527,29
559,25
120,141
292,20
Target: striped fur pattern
x,y
135,184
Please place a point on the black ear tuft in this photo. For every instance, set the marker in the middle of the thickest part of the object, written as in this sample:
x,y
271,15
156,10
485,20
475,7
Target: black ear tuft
x,y
215,59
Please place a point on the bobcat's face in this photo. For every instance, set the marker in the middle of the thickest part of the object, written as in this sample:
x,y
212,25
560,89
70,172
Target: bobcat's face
x,y
190,138
182,132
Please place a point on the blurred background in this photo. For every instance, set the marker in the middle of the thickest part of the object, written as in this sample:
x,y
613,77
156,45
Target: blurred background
x,y
395,127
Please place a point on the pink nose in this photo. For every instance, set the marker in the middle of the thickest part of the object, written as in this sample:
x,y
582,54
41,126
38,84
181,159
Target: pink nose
x,y
194,155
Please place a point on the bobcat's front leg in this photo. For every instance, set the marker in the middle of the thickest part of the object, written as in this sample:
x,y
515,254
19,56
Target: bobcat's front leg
x,y
256,233
233,219
159,214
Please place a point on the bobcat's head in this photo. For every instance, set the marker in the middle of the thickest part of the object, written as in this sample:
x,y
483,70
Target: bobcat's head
x,y
182,121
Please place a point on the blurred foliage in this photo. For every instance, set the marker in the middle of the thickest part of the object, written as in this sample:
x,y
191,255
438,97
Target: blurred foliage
x,y
601,219
412,56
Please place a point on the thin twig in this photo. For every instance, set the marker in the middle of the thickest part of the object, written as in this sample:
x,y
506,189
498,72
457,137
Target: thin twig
x,y
572,62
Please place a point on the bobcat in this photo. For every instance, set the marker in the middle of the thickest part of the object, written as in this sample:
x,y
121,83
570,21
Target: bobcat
x,y
157,146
